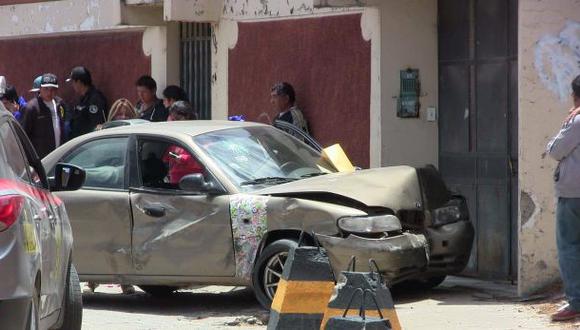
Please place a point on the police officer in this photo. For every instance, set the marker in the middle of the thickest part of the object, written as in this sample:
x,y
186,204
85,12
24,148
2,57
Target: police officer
x,y
92,109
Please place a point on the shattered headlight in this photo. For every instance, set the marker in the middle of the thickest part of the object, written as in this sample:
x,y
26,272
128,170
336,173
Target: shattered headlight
x,y
454,211
370,224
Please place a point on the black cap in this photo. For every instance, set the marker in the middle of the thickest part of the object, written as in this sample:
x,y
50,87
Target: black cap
x,y
80,73
49,80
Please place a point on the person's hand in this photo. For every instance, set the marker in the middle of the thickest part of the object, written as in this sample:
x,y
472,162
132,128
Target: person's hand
x,y
571,114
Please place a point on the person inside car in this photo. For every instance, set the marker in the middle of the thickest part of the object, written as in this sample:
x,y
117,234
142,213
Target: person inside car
x,y
180,162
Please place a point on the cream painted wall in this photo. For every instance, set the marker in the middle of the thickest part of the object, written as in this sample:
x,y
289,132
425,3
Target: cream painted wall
x,y
59,17
408,39
549,53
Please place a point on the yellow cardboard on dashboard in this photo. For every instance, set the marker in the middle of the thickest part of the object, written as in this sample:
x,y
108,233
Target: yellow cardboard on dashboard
x,y
338,158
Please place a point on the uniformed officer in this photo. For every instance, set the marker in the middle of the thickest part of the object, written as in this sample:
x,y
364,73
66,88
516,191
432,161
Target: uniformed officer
x,y
92,109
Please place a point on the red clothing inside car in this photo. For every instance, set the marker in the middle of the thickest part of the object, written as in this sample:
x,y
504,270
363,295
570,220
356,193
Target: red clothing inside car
x,y
181,163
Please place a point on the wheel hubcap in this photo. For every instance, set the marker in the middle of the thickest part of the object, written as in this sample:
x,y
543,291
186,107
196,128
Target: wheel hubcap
x,y
273,273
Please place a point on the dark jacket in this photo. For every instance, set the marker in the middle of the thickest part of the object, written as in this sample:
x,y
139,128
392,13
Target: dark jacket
x,y
90,112
37,123
155,113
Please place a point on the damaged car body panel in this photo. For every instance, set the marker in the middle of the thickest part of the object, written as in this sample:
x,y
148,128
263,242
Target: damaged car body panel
x,y
249,191
396,188
183,237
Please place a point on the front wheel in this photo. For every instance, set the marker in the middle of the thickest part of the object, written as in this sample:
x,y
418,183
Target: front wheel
x,y
73,302
268,270
158,290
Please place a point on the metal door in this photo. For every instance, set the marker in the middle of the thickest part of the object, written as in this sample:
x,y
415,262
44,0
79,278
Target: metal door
x,y
478,123
196,65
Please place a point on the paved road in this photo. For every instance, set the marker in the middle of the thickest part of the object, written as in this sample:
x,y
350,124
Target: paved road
x,y
458,303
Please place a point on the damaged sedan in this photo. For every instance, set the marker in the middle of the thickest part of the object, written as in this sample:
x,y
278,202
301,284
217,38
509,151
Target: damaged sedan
x,y
169,205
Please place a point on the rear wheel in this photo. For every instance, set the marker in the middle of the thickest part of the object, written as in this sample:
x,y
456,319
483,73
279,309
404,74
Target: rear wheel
x,y
73,303
158,290
268,270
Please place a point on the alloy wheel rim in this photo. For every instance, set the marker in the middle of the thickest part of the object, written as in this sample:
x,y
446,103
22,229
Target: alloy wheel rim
x,y
273,273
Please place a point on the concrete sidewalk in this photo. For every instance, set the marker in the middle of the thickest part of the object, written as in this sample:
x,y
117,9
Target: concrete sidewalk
x,y
464,303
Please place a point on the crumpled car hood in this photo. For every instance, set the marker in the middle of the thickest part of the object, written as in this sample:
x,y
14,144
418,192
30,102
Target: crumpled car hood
x,y
395,187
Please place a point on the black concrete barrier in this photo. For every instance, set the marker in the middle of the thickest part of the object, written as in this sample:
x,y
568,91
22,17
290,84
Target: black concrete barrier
x,y
349,282
304,289
360,322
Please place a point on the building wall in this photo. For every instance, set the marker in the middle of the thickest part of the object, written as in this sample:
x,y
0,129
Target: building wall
x,y
549,43
408,40
115,58
327,61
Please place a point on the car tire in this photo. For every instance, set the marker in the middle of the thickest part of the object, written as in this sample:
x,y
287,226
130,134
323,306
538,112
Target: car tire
x,y
73,302
33,322
158,290
266,268
426,284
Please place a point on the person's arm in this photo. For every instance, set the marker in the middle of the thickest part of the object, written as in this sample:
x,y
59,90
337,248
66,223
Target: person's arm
x,y
566,141
28,118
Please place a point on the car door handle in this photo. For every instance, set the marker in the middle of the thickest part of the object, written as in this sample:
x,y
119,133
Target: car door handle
x,y
154,211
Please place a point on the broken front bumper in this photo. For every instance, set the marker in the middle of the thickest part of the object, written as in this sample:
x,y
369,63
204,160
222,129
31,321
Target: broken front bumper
x,y
397,257
450,248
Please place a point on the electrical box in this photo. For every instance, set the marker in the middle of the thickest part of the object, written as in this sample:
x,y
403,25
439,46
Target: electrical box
x,y
408,101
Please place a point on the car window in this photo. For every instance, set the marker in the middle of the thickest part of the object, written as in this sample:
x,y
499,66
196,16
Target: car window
x,y
17,165
162,164
103,160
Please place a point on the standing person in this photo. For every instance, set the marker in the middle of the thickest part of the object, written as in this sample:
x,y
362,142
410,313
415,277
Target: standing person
x,y
283,98
92,108
565,148
43,117
149,106
172,94
12,102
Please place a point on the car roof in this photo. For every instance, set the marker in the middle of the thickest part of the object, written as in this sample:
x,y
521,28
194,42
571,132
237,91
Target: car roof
x,y
188,127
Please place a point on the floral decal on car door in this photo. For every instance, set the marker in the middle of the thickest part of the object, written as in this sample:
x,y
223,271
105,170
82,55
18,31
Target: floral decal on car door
x,y
249,216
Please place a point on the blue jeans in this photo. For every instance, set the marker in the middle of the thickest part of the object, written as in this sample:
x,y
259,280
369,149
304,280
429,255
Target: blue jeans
x,y
568,241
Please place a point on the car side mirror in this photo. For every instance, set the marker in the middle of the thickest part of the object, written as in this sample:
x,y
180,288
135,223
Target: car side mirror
x,y
68,177
196,183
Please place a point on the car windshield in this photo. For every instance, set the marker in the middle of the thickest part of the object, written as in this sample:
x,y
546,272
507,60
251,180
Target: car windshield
x,y
256,156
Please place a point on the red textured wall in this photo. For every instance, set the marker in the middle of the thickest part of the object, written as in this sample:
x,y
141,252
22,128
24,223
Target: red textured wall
x,y
115,59
327,62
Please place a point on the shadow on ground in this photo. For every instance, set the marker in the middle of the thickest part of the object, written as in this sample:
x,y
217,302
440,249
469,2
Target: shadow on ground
x,y
190,304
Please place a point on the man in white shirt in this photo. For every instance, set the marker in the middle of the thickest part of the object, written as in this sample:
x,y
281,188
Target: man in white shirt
x,y
43,118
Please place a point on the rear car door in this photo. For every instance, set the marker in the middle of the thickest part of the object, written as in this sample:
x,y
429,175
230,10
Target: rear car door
x,y
176,232
99,212
42,214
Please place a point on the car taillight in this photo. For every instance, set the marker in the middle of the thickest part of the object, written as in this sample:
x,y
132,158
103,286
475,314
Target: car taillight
x,y
10,208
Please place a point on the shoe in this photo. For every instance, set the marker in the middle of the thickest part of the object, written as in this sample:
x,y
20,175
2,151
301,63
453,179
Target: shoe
x,y
565,313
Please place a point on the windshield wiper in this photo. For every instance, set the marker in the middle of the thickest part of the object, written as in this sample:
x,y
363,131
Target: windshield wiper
x,y
310,175
267,180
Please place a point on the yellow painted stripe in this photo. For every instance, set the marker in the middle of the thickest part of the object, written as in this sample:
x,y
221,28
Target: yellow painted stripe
x,y
302,297
389,314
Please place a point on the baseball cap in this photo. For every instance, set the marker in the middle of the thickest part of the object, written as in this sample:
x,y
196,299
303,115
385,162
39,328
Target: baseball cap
x,y
36,84
49,80
79,73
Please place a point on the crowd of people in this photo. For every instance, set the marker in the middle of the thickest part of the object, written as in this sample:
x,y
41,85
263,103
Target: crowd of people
x,y
49,121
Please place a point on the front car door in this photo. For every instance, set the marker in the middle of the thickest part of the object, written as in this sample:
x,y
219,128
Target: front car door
x,y
176,232
99,212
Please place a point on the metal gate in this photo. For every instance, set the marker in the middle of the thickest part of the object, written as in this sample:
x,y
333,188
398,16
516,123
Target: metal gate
x,y
195,70
478,124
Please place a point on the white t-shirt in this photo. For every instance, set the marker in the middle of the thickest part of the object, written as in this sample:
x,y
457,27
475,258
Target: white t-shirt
x,y
55,121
